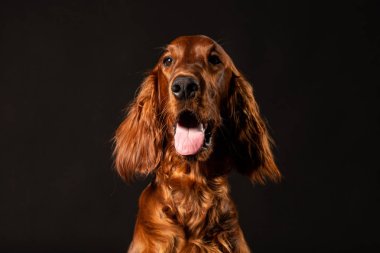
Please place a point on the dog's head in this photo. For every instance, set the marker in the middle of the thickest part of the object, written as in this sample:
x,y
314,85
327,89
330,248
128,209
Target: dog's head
x,y
194,104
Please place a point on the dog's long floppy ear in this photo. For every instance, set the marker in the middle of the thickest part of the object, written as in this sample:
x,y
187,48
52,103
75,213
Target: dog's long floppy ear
x,y
251,142
138,140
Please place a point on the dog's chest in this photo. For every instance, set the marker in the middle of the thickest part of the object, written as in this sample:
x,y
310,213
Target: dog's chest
x,y
196,203
192,202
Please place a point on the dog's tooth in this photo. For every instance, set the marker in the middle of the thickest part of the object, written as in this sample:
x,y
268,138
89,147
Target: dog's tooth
x,y
201,127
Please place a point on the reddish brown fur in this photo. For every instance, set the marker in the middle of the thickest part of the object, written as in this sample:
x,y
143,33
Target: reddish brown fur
x,y
187,207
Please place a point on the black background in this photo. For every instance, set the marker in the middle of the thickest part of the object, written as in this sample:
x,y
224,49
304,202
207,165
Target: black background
x,y
68,68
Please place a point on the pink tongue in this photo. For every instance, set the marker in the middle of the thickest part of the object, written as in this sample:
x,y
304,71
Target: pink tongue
x,y
188,141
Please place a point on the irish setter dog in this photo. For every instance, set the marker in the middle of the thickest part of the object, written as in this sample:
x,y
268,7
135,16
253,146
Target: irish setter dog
x,y
193,121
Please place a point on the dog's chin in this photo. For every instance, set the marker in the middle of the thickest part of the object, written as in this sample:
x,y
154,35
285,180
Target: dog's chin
x,y
193,137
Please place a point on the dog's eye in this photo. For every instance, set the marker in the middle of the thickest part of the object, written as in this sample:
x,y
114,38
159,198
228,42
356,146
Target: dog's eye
x,y
214,59
167,61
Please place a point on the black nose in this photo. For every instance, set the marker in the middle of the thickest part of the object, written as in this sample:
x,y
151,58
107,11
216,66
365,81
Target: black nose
x,y
184,87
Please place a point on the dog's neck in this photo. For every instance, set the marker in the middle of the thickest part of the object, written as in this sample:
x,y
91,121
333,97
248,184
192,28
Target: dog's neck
x,y
190,195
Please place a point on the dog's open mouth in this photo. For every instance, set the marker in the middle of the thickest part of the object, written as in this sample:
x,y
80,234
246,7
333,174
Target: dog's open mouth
x,y
191,135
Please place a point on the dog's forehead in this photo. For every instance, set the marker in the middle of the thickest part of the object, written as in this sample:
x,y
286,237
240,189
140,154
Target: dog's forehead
x,y
195,43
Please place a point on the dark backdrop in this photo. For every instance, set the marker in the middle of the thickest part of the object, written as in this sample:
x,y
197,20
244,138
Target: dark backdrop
x,y
68,68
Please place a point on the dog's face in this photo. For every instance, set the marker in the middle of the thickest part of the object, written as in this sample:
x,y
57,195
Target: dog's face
x,y
194,104
194,75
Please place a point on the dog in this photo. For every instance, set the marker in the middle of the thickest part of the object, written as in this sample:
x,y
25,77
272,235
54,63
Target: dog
x,y
193,120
